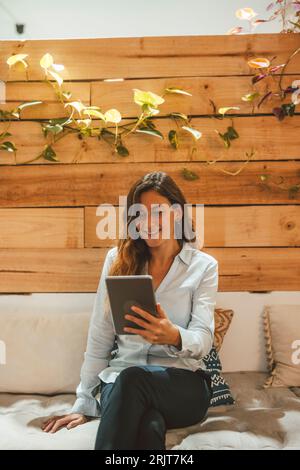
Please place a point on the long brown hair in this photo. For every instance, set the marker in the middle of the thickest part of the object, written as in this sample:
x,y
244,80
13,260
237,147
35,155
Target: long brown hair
x,y
133,254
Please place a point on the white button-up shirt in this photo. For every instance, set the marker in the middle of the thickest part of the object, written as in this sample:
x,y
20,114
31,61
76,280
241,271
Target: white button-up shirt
x,y
187,294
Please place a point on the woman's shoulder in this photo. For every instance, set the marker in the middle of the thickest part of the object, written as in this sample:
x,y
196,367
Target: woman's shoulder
x,y
201,257
112,252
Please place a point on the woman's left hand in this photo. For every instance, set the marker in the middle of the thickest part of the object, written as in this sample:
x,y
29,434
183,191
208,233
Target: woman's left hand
x,y
158,330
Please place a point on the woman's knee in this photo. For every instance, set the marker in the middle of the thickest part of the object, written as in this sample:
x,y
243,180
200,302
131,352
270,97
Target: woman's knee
x,y
130,375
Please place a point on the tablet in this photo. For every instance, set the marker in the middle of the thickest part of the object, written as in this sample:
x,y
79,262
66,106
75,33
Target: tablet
x,y
125,291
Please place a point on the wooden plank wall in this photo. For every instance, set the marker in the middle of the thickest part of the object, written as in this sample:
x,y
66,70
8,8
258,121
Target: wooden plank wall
x,y
48,210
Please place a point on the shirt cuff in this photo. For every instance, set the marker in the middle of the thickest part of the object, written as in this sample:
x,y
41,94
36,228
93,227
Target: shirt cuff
x,y
173,350
87,407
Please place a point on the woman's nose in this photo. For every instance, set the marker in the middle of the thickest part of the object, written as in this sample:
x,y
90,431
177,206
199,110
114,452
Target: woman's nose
x,y
149,226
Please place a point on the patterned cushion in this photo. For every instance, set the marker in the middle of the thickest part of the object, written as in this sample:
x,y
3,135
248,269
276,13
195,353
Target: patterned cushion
x,y
221,391
223,319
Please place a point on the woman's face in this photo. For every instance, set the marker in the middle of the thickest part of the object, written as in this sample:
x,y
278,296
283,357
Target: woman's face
x,y
156,211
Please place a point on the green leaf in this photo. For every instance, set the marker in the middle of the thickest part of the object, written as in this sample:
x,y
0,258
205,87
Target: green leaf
x,y
178,91
56,129
16,112
232,133
189,175
123,151
225,139
150,110
250,96
66,94
106,135
288,109
229,135
149,123
179,116
147,97
49,154
4,135
28,103
196,134
55,126
62,121
173,139
8,146
264,177
228,108
293,190
295,24
146,130
46,61
5,114
86,131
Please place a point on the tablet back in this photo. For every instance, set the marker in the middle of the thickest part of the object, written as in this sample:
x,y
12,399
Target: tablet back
x,y
125,291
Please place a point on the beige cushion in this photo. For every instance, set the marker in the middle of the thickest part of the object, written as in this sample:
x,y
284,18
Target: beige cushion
x,y
44,351
282,335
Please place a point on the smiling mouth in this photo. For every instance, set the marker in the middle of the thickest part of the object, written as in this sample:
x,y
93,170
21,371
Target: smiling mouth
x,y
153,232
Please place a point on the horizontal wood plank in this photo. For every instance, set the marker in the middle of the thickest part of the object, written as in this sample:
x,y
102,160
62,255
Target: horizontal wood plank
x,y
227,226
41,228
153,56
269,138
92,184
51,270
223,91
78,270
18,92
258,269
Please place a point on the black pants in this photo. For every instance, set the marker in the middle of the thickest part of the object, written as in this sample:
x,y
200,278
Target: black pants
x,y
145,401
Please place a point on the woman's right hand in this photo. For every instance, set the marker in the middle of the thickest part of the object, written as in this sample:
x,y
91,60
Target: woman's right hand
x,y
69,421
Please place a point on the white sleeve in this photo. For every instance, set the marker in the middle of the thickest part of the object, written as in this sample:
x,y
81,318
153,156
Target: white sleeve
x,y
197,339
101,336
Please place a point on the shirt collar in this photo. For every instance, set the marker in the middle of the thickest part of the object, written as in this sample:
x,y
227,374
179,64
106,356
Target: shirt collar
x,y
185,255
186,252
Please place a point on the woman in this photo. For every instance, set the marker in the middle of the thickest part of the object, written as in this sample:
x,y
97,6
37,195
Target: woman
x,y
156,379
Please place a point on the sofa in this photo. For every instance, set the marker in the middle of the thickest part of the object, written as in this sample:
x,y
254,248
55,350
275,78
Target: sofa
x,y
40,370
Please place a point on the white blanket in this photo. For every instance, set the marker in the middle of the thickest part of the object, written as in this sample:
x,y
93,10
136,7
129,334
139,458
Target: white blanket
x,y
260,419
